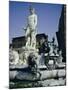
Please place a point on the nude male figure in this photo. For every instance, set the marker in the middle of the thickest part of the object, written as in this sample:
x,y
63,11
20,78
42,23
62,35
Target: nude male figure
x,y
31,28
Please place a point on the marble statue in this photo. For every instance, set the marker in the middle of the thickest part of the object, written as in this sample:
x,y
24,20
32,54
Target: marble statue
x,y
30,35
59,59
31,29
53,48
13,56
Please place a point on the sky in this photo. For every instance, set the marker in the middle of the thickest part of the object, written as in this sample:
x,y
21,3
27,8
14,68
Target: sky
x,y
48,18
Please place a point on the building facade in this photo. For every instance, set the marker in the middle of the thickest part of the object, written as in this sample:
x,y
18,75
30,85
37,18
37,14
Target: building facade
x,y
61,34
19,42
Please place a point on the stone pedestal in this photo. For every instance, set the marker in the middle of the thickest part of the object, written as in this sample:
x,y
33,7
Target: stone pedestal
x,y
25,52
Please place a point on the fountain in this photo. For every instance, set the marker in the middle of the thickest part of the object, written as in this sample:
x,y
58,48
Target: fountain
x,y
30,35
29,65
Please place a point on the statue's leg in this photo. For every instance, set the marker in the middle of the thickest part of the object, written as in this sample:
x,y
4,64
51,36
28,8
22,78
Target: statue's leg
x,y
33,39
28,42
27,31
27,37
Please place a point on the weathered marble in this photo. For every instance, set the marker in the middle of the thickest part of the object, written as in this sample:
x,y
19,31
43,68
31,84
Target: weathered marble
x,y
52,82
30,31
45,74
13,57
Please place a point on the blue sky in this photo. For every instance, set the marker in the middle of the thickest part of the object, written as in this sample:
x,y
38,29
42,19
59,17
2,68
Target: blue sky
x,y
48,18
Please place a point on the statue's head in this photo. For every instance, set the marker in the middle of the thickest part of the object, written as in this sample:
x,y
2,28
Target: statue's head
x,y
32,10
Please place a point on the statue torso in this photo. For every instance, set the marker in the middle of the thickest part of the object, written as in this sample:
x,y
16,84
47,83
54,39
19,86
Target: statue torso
x,y
31,21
